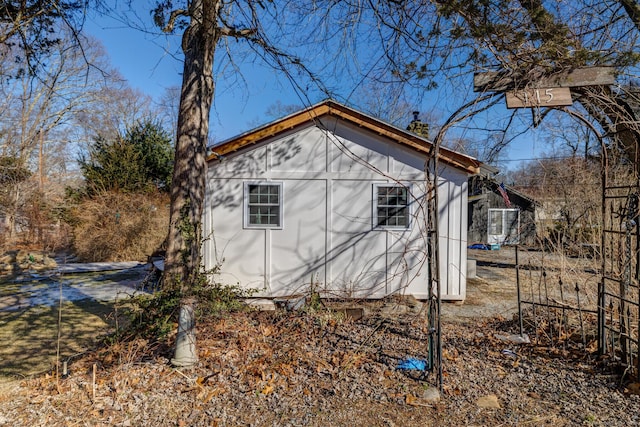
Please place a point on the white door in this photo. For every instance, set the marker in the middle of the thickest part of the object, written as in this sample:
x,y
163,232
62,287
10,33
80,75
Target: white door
x,y
503,226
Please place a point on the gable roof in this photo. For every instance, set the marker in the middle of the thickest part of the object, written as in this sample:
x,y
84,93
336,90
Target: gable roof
x,y
492,184
332,108
513,192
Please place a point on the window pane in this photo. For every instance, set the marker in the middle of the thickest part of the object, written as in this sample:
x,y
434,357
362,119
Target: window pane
x,y
274,215
511,228
382,216
254,195
392,206
398,217
255,219
495,226
264,205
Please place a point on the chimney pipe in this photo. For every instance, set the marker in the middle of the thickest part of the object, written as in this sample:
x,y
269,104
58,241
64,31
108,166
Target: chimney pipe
x,y
417,127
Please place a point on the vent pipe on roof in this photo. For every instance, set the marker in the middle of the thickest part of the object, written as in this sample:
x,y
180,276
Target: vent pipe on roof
x,y
417,127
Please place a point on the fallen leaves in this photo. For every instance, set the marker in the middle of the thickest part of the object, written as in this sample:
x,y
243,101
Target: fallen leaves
x,y
205,395
450,354
267,389
266,330
274,369
411,400
488,402
633,388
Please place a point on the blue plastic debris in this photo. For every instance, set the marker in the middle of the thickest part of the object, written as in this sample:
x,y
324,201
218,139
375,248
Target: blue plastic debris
x,y
479,246
412,363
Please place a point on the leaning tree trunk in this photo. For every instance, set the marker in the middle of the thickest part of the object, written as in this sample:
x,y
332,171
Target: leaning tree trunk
x,y
182,264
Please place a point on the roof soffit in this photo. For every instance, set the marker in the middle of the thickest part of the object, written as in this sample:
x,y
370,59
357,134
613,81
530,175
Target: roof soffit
x,y
331,108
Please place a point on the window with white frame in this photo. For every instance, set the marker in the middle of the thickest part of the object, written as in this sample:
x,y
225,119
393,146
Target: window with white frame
x,y
503,226
392,209
263,204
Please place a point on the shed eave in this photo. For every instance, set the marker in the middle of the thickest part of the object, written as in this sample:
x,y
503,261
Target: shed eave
x,y
332,108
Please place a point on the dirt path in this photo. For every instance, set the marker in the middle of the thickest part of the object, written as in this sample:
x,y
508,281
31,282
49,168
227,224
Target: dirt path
x,y
485,299
493,292
82,282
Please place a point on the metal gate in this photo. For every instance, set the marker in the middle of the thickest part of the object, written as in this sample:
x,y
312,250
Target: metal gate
x,y
593,307
619,296
557,299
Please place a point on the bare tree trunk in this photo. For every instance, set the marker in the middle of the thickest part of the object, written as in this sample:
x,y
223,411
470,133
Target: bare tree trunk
x,y
13,213
632,7
189,173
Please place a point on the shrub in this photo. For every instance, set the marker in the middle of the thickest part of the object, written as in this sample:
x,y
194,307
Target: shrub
x,y
114,226
154,316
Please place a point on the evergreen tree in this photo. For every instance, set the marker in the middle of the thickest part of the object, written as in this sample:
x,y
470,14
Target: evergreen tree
x,y
139,161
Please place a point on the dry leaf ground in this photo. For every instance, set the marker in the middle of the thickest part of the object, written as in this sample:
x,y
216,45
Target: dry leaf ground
x,y
322,369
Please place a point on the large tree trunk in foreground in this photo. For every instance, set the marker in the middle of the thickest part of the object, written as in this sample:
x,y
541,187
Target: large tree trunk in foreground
x,y
182,264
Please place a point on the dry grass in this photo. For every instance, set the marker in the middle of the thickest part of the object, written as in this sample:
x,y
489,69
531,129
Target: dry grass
x,y
120,227
545,275
30,336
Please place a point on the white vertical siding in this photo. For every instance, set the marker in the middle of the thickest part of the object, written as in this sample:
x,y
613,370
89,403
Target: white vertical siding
x,y
228,244
357,254
327,234
416,246
298,250
452,200
353,151
302,151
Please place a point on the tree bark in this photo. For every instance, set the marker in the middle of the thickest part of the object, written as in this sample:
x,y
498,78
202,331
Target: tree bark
x,y
182,263
632,7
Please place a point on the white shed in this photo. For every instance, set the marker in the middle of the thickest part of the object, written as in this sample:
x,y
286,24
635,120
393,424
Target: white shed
x,y
332,198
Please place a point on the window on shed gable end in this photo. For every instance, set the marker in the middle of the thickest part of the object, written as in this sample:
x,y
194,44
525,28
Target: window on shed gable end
x,y
263,205
391,208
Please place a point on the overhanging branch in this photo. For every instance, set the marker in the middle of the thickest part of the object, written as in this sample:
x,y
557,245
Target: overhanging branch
x,y
233,32
173,17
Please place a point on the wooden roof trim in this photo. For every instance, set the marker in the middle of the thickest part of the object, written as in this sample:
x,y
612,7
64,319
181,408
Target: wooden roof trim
x,y
334,109
270,130
456,159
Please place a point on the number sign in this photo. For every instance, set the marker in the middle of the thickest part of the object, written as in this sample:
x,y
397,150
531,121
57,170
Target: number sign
x,y
547,97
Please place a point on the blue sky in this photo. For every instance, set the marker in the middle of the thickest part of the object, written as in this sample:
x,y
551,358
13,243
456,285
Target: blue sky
x,y
146,60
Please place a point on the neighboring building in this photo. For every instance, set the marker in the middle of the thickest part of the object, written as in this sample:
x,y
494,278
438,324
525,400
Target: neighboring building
x,y
332,200
499,214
